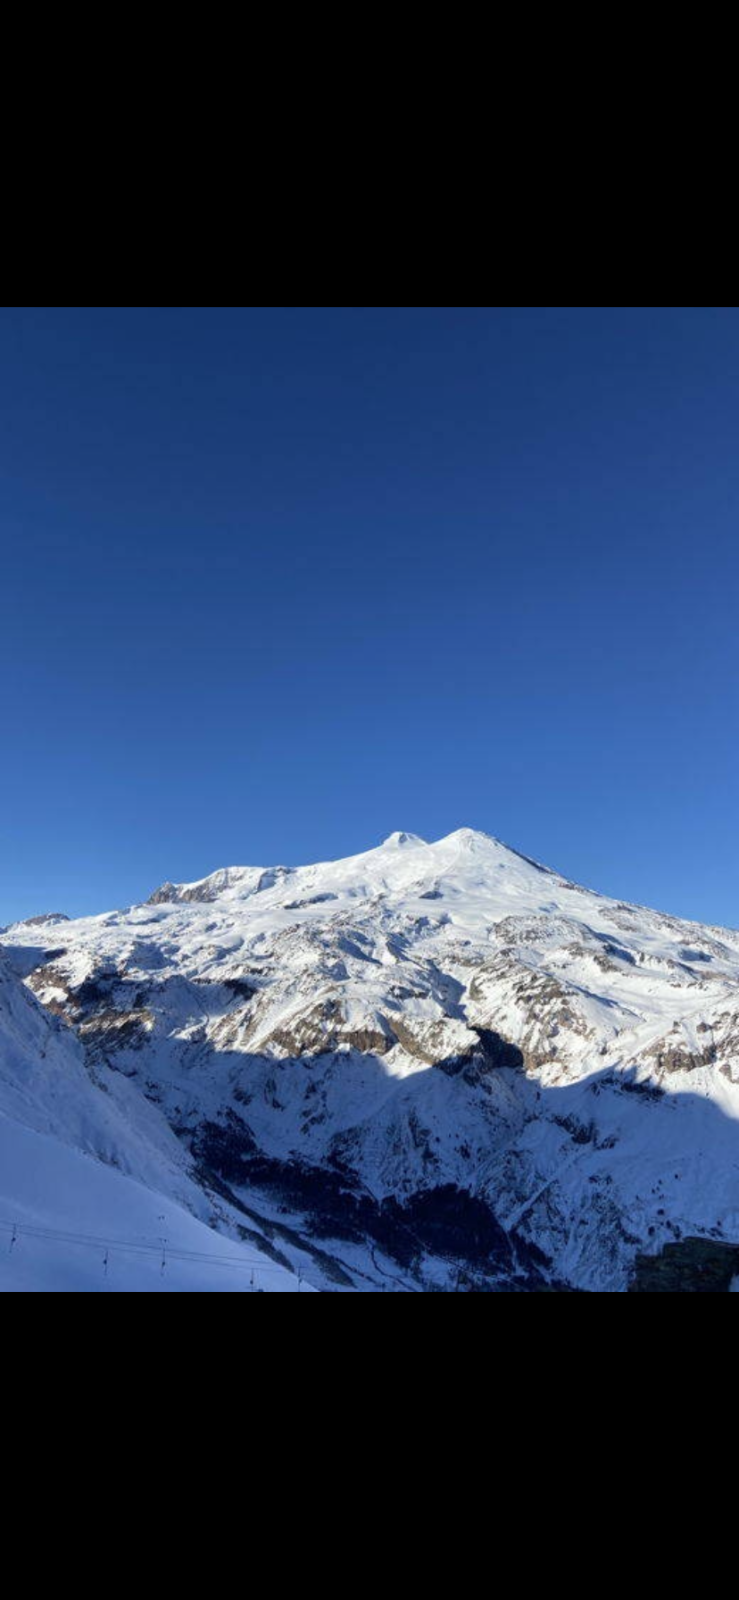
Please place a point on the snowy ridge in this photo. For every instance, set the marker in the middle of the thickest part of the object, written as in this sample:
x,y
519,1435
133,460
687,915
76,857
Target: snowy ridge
x,y
425,1059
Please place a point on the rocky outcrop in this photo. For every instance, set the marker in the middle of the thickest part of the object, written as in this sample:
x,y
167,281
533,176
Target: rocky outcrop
x,y
49,919
693,1266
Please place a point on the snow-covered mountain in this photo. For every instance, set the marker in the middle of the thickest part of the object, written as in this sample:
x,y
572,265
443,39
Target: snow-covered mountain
x,y
422,1066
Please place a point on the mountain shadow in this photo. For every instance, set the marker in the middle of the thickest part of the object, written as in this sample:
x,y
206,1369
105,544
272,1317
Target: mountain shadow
x,y
608,1182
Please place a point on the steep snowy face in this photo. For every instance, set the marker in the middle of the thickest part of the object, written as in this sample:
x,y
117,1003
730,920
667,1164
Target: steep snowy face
x,y
427,1053
42,1074
92,1178
48,1085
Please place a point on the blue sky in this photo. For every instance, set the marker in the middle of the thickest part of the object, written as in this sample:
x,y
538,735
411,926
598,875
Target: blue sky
x,y
274,583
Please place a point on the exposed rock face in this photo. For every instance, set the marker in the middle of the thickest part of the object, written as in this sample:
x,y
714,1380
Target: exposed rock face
x,y
48,919
243,880
165,895
695,1266
387,1048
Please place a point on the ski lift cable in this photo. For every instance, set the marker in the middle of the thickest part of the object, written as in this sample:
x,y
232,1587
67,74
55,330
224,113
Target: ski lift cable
x,y
136,1247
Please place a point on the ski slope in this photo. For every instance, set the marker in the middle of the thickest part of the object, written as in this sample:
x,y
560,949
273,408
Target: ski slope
x,y
70,1224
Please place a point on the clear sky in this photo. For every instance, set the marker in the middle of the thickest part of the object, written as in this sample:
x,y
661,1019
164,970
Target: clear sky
x,y
275,583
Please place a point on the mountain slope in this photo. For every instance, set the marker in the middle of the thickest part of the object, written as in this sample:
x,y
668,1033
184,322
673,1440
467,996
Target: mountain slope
x,y
435,1061
92,1179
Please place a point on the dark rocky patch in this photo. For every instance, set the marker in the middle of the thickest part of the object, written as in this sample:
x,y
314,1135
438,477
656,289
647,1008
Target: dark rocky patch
x,y
693,1266
241,987
312,900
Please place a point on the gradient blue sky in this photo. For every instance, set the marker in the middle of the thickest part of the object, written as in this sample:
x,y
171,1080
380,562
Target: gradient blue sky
x,y
274,583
